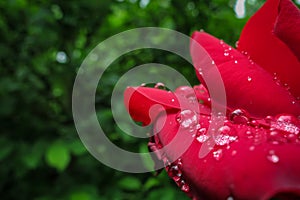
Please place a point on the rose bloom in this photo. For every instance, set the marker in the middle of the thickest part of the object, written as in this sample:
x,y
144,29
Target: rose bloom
x,y
255,152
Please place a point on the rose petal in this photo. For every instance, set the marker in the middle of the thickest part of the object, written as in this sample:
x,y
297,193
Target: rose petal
x,y
247,85
250,167
287,26
144,104
267,50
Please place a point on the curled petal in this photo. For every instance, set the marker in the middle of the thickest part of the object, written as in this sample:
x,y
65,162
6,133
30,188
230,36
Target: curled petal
x,y
144,104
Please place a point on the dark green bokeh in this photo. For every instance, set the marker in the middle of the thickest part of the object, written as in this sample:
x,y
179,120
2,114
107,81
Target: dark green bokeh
x,y
42,46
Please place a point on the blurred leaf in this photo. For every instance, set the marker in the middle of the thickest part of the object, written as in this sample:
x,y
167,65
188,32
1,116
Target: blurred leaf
x,y
80,196
130,183
150,183
58,156
76,147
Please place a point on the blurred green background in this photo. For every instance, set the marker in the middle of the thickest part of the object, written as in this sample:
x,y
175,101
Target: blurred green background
x,y
43,43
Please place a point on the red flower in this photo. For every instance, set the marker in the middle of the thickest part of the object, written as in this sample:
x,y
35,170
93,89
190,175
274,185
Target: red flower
x,y
253,154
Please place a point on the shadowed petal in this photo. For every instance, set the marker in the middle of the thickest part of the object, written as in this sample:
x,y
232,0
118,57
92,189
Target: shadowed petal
x,y
275,54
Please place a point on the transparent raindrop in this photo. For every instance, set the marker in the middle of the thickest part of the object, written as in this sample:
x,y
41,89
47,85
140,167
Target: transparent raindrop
x,y
251,148
202,138
160,86
226,54
272,157
187,119
218,154
233,153
239,116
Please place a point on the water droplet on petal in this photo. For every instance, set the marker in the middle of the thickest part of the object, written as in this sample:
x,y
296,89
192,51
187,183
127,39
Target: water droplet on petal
x,y
187,119
202,138
212,62
237,44
235,62
222,139
251,148
185,187
233,153
286,123
239,116
218,154
249,79
226,54
272,157
160,86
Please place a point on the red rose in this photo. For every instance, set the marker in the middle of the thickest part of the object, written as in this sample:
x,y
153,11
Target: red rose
x,y
254,153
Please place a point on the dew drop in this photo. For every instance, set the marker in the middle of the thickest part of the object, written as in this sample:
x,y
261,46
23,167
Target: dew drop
x,y
212,62
159,86
272,157
187,119
237,44
226,54
218,154
202,138
286,123
233,153
202,130
249,79
251,148
173,100
185,187
239,116
235,62
222,139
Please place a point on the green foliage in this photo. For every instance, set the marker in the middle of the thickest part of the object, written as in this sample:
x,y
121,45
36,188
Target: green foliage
x,y
42,46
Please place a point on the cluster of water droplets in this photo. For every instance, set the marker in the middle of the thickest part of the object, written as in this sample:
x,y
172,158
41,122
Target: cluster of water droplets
x,y
175,172
284,129
277,130
222,135
188,119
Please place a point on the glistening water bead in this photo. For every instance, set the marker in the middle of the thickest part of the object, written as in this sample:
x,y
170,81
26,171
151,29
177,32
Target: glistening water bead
x,y
239,116
187,119
272,157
